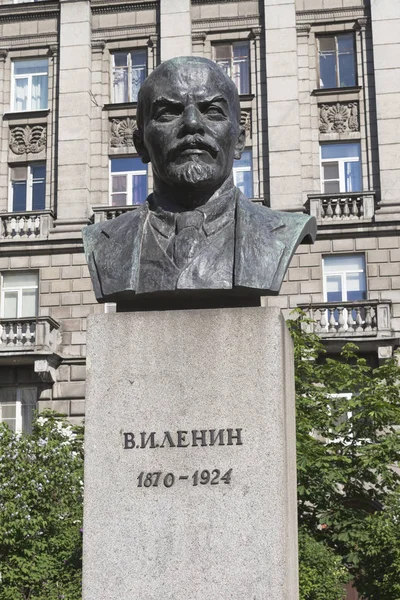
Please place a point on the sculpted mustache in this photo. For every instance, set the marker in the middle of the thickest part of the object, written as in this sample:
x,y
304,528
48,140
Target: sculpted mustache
x,y
194,143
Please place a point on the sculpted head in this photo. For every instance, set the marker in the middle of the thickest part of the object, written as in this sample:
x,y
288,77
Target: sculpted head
x,y
189,128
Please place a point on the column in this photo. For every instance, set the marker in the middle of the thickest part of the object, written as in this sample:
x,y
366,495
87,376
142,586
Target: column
x,y
175,26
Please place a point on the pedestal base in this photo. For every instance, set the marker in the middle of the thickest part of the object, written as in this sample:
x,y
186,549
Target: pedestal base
x,y
190,474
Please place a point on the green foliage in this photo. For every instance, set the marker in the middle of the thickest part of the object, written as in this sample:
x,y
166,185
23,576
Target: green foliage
x,y
321,573
41,486
348,441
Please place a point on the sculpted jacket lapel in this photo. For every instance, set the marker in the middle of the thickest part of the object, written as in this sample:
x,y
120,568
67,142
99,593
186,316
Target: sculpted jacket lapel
x,y
255,240
213,265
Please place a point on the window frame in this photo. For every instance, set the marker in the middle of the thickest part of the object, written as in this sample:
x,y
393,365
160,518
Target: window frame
x,y
19,290
337,53
129,69
29,186
343,273
29,76
129,174
341,167
231,44
19,425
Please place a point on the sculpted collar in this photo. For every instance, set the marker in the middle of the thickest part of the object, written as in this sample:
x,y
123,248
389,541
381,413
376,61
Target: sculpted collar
x,y
216,213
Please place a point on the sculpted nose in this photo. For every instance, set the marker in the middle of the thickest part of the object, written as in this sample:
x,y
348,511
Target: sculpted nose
x,y
192,121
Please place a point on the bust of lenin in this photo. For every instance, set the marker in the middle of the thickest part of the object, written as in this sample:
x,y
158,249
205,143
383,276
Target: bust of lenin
x,y
196,241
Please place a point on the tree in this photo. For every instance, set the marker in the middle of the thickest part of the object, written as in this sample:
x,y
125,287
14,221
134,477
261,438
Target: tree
x,y
347,443
41,485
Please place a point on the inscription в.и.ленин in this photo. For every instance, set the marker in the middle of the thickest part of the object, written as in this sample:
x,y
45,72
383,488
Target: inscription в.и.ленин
x,y
183,439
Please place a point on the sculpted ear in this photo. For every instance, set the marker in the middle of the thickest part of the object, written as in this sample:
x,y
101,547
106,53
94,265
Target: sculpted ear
x,y
240,143
140,146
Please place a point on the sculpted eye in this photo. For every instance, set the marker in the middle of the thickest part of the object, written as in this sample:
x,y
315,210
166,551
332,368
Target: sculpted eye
x,y
215,112
167,113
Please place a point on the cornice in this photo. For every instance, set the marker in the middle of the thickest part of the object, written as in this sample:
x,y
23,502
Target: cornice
x,y
34,39
126,31
110,6
226,23
31,12
330,14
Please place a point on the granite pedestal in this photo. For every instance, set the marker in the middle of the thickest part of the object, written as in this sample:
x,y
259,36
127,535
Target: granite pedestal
x,y
190,475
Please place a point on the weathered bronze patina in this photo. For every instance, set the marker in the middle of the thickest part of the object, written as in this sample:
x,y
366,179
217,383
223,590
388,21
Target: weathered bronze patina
x,y
196,241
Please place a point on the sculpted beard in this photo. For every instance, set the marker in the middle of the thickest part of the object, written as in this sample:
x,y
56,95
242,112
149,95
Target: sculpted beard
x,y
191,172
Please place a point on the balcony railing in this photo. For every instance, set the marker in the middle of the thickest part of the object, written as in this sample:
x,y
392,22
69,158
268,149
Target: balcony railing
x,y
25,225
28,335
106,213
342,208
365,318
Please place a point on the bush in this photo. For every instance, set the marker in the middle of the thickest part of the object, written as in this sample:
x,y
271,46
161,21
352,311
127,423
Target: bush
x,y
41,487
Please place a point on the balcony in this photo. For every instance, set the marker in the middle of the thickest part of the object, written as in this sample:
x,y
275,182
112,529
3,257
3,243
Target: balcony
x,y
350,208
22,226
351,320
28,336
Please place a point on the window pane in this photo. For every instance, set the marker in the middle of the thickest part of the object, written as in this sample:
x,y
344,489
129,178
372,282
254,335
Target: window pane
x,y
245,160
139,189
138,72
27,67
340,150
225,66
223,51
356,286
123,165
241,71
119,199
29,303
120,59
353,176
120,84
39,92
334,292
10,310
331,187
331,170
349,262
119,183
38,187
347,70
8,414
244,181
18,173
345,43
18,196
327,44
28,405
20,279
21,94
327,70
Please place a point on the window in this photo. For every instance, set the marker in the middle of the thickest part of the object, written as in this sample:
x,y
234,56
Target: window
x,y
242,173
28,187
16,408
337,61
340,168
234,59
19,294
128,74
344,278
128,181
30,80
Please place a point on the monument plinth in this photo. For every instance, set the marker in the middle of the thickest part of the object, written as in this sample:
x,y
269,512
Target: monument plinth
x,y
190,474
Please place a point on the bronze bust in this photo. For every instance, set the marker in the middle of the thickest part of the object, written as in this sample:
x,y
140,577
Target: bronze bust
x,y
196,241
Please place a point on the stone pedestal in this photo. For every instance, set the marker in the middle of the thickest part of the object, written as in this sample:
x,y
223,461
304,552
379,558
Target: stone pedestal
x,y
190,475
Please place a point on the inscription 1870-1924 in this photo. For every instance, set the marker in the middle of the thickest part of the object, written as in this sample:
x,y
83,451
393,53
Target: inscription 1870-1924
x,y
183,439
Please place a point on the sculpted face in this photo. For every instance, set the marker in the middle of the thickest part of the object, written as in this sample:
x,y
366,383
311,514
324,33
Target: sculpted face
x,y
188,120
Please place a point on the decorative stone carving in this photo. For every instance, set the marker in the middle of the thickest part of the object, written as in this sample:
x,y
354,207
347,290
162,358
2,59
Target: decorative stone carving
x,y
338,117
122,132
28,139
245,121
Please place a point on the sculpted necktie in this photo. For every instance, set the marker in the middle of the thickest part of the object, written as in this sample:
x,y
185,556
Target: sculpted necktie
x,y
188,236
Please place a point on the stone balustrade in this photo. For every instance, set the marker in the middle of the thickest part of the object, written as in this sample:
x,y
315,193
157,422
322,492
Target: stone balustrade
x,y
28,335
106,213
364,318
340,208
25,225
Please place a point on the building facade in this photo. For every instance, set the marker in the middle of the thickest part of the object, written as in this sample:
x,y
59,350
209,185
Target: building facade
x,y
319,83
